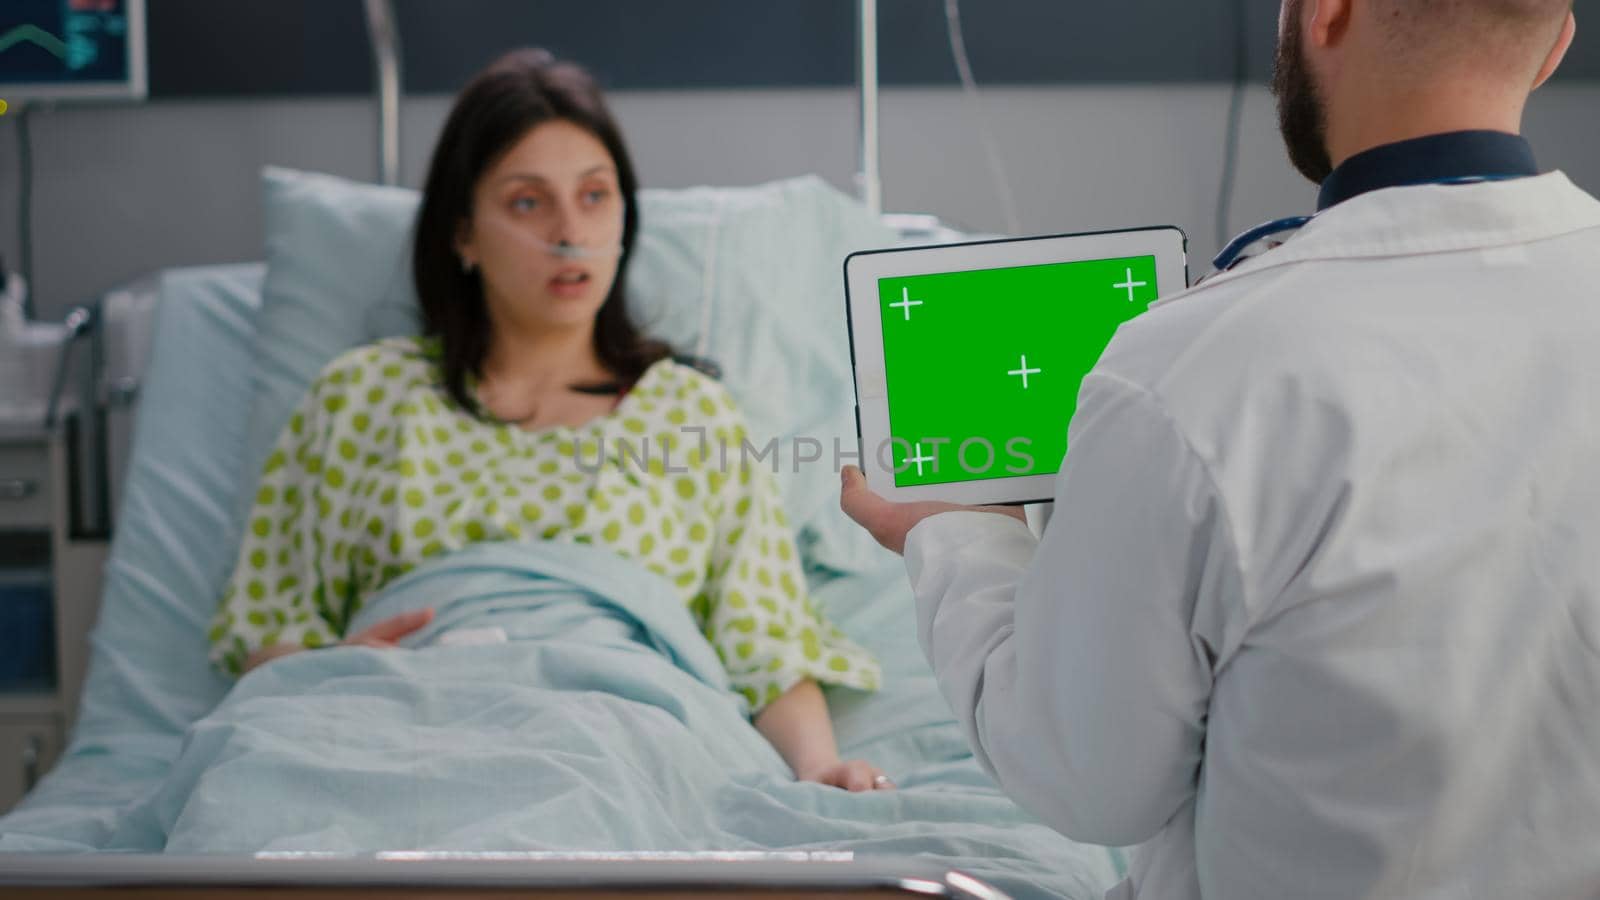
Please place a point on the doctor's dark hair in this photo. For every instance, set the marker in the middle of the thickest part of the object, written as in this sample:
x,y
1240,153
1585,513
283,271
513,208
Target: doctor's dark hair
x,y
519,91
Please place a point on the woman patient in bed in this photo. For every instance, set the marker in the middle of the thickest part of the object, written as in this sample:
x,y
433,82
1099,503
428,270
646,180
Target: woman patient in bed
x,y
489,427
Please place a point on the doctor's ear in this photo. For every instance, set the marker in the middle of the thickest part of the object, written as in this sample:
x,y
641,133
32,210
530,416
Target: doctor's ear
x,y
1569,29
1328,22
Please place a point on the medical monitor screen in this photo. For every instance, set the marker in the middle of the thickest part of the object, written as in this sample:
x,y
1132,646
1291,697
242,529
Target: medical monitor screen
x,y
983,367
61,49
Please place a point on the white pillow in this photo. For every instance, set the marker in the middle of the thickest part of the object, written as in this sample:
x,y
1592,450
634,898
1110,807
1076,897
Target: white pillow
x,y
749,277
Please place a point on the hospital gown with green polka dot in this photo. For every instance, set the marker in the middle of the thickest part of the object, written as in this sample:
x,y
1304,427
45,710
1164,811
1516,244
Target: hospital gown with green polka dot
x,y
377,471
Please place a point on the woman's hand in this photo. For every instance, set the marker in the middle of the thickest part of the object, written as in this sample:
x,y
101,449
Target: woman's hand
x,y
854,775
797,724
390,631
387,633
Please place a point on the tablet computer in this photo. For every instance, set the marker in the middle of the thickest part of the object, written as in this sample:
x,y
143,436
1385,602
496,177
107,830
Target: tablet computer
x,y
968,357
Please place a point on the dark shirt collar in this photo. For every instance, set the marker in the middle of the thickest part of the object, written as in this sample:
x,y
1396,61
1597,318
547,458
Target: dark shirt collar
x,y
1437,157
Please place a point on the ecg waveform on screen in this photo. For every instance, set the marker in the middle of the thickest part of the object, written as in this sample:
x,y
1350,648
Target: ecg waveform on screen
x,y
37,36
80,48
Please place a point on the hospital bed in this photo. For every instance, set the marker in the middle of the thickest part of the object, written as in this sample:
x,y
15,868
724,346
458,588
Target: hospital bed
x,y
748,277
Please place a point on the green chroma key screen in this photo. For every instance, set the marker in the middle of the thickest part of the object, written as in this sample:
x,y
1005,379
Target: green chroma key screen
x,y
994,355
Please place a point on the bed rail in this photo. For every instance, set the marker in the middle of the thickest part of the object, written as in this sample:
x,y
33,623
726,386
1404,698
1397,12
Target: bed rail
x,y
441,875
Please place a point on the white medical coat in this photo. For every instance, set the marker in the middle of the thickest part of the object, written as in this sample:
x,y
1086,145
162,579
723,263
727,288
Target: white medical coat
x,y
1318,612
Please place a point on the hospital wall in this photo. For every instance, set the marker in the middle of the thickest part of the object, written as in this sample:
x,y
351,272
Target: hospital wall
x,y
123,190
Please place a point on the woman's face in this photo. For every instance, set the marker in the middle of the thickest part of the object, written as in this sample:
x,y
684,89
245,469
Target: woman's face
x,y
557,183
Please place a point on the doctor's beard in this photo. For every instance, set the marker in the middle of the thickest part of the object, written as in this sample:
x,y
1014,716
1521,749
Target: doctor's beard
x,y
1302,120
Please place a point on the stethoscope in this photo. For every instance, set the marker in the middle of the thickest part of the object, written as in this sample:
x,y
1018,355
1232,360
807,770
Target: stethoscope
x,y
1275,233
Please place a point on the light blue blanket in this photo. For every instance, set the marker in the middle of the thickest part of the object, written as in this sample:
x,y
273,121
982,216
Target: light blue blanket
x,y
604,723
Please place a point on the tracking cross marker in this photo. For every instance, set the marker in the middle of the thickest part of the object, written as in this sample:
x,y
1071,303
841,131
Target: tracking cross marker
x,y
906,302
1130,284
919,460
1025,372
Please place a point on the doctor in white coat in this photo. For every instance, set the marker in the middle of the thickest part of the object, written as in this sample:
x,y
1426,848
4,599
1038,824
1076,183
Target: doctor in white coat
x,y
1318,612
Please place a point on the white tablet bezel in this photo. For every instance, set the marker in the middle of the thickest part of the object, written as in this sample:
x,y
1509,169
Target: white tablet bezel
x,y
862,272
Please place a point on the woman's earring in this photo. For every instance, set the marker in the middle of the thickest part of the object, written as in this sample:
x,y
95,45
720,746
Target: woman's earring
x,y
467,265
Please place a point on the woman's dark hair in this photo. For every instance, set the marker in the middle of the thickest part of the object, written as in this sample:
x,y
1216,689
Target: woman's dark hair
x,y
521,90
